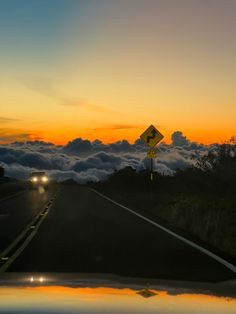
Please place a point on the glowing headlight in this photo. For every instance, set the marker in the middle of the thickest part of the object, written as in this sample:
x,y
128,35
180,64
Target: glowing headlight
x,y
36,279
44,179
35,179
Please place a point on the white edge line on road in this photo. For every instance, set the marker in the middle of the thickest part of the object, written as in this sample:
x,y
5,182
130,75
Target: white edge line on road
x,y
196,246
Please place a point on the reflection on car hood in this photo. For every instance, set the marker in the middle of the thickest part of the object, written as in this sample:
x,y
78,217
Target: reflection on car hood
x,y
75,293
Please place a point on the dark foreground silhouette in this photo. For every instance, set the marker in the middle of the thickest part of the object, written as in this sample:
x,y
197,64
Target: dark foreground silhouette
x,y
200,200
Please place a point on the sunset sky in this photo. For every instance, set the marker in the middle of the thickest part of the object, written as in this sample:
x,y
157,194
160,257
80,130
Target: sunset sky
x,y
108,68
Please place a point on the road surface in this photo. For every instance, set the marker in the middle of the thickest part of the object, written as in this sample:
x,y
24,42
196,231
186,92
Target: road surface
x,y
17,211
85,233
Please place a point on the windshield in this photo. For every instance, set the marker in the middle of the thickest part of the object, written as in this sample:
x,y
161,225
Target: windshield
x,y
117,139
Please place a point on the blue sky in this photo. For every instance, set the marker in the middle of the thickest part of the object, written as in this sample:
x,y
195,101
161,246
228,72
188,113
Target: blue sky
x,y
32,30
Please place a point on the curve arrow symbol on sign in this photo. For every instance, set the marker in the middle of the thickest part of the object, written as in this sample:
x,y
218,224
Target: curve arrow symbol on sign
x,y
151,137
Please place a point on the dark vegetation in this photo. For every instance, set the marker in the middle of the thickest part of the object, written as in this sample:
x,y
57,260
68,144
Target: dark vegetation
x,y
199,201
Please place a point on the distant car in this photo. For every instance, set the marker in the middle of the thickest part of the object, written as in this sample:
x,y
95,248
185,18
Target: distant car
x,y
39,178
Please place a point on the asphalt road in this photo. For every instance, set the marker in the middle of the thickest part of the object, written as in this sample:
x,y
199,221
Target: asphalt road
x,y
17,211
86,233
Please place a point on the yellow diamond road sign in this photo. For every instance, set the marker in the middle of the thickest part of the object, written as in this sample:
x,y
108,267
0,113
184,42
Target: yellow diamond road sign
x,y
151,136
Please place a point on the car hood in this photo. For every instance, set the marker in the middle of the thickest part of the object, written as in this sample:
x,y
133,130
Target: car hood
x,y
82,293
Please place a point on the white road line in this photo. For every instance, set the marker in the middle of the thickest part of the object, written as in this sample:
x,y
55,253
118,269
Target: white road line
x,y
196,246
10,260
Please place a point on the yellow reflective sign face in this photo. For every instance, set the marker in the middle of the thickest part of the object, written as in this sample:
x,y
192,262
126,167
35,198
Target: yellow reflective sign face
x,y
151,136
151,153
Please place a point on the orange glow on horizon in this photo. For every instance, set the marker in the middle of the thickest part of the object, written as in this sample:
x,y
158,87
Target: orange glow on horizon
x,y
108,136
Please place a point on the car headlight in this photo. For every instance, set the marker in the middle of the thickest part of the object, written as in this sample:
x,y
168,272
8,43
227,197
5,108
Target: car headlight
x,y
35,179
44,179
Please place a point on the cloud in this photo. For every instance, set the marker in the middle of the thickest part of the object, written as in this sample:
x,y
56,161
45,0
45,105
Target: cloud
x,y
79,146
10,135
98,161
66,101
176,159
84,160
178,139
7,120
107,126
6,137
91,175
41,85
46,87
85,147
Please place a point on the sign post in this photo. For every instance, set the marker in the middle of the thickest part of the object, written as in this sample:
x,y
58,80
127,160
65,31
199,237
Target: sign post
x,y
151,136
151,176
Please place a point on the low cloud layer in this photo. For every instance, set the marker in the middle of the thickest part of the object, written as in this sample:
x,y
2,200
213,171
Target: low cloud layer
x,y
83,160
178,139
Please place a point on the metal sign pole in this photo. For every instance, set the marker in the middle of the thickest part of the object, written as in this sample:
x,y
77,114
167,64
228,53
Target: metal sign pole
x,y
151,177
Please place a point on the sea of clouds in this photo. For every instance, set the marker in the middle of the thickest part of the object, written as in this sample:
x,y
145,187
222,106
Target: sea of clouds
x,y
84,161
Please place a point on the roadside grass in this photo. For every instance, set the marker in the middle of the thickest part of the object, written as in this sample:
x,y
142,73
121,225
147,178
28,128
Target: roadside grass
x,y
210,218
